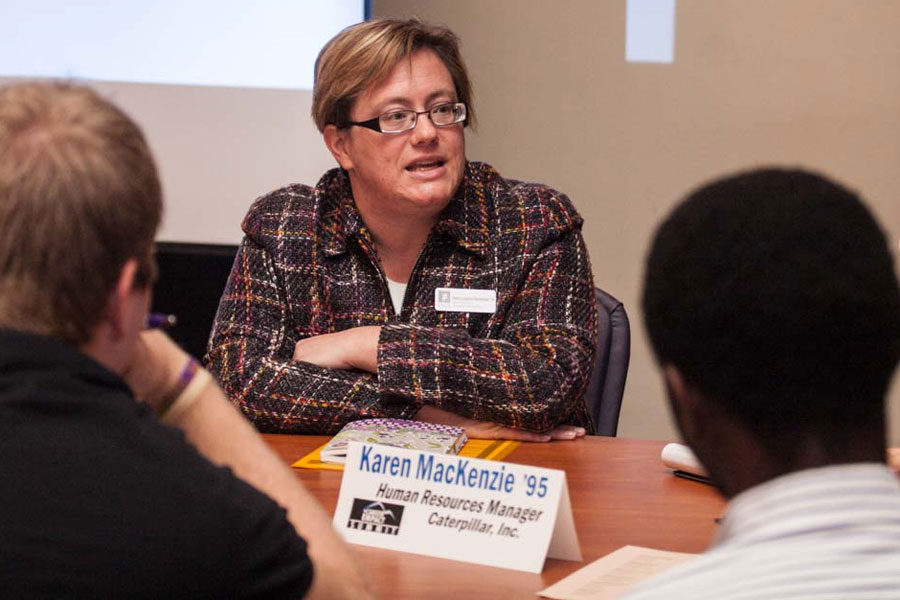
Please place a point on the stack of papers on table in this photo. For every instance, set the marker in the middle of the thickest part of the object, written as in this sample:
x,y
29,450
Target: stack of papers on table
x,y
412,435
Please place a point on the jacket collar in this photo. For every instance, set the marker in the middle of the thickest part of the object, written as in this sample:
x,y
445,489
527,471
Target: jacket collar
x,y
464,220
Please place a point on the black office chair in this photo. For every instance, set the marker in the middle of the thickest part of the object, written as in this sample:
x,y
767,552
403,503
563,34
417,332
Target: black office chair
x,y
190,283
607,384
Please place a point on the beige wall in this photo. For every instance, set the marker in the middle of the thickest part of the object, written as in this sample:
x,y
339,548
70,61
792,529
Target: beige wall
x,y
809,82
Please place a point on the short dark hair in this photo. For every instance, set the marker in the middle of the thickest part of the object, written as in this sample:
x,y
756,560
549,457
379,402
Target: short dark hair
x,y
774,293
79,196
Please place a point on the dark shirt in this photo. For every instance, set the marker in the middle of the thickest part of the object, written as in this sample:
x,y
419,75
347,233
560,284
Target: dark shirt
x,y
308,266
98,499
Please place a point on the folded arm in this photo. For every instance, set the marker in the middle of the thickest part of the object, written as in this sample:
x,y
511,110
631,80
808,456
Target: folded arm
x,y
531,377
252,356
529,373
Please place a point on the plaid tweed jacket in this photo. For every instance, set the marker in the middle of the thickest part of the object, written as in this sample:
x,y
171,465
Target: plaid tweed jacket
x,y
308,266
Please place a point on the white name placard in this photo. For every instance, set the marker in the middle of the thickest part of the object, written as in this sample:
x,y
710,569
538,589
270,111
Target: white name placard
x,y
465,300
486,512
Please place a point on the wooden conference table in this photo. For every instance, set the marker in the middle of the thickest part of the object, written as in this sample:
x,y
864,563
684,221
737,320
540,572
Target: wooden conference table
x,y
620,491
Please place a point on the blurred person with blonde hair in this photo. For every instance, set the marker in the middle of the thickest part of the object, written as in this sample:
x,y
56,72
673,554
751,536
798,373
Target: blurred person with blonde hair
x,y
100,497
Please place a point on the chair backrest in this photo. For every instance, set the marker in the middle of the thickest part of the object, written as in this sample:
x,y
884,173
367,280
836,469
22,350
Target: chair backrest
x,y
190,283
607,384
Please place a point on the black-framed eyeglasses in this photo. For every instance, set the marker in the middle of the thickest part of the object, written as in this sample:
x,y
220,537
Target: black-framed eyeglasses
x,y
399,121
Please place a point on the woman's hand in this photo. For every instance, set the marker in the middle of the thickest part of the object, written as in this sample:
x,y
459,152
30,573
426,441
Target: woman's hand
x,y
355,348
486,430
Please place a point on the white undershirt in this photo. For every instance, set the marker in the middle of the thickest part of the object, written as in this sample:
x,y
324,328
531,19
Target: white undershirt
x,y
397,291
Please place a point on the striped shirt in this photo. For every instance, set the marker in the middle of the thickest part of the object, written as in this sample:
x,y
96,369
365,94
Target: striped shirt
x,y
827,533
308,266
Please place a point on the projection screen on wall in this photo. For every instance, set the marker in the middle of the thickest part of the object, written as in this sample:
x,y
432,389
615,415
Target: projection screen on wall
x,y
222,89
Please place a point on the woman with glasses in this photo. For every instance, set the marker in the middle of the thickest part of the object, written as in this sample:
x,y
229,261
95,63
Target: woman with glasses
x,y
409,282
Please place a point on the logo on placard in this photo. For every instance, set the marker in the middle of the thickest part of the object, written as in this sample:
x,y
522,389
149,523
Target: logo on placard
x,y
380,517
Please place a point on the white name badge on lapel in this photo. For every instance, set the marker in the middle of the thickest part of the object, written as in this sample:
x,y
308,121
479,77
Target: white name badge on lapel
x,y
468,509
465,300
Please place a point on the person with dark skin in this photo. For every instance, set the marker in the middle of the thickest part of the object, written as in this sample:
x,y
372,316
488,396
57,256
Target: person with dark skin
x,y
772,305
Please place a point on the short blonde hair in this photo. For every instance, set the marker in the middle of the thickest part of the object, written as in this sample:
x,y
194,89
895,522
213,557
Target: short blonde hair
x,y
364,54
79,196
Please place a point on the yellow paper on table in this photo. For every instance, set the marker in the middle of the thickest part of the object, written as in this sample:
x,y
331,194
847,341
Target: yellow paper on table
x,y
486,449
